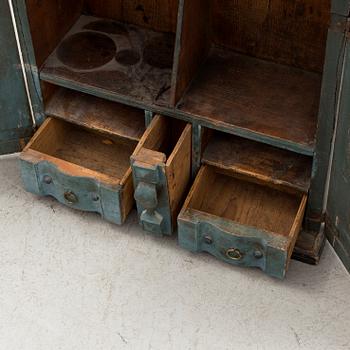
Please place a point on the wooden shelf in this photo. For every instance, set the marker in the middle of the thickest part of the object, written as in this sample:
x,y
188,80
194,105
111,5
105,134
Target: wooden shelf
x,y
123,61
96,113
261,163
257,99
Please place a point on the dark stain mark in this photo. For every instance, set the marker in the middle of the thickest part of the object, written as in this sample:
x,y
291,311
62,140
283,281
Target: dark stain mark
x,y
140,8
127,57
159,52
161,91
106,26
86,50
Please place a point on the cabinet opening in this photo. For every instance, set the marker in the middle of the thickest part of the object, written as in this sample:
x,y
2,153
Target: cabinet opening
x,y
257,162
110,118
255,67
122,49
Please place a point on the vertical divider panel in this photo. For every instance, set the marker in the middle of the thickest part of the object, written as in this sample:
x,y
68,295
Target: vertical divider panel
x,y
192,44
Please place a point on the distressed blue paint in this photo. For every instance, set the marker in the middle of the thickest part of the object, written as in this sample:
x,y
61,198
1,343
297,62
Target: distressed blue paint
x,y
196,148
15,118
341,7
31,68
148,117
327,111
338,205
91,195
199,232
152,197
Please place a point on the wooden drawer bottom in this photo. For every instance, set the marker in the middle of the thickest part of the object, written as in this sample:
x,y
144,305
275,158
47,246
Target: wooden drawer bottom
x,y
240,222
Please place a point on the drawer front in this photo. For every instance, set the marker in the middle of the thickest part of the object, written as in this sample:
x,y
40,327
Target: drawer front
x,y
151,195
233,243
46,179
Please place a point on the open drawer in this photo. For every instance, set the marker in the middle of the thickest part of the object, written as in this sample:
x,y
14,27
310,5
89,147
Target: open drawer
x,y
82,167
241,222
161,170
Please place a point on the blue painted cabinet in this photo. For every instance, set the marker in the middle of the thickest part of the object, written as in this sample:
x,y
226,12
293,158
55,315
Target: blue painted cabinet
x,y
16,124
251,112
337,212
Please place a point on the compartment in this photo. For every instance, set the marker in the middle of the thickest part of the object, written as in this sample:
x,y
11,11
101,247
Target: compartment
x,y
161,173
254,68
258,162
96,113
241,222
123,50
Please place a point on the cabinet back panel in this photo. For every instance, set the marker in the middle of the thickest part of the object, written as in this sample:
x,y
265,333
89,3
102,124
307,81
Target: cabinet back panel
x,y
49,22
159,15
290,32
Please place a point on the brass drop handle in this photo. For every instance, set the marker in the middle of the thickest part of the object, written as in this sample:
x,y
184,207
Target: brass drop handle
x,y
234,254
70,197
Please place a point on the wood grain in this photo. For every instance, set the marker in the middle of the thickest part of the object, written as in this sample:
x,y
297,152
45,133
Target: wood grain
x,y
154,14
259,162
96,152
193,44
178,171
291,32
95,113
245,203
262,97
49,22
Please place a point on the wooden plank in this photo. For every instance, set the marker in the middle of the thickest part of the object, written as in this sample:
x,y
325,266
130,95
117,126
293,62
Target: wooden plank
x,y
262,163
136,63
160,15
288,32
96,113
296,228
258,96
178,172
49,21
192,44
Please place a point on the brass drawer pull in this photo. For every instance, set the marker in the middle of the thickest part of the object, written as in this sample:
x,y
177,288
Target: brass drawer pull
x,y
234,254
70,197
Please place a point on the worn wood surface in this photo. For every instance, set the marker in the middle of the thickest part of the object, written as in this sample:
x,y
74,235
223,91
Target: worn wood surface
x,y
289,32
245,203
193,44
128,61
265,98
95,113
160,15
258,162
49,22
98,153
178,172
297,225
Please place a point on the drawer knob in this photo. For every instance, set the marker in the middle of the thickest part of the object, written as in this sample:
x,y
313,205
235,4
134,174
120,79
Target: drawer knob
x,y
258,254
234,254
47,179
70,197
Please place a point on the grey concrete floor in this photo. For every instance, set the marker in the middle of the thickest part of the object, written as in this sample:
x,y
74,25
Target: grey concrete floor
x,y
69,280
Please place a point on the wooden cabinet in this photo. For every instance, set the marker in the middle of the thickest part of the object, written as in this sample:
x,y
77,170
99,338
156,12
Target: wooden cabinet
x,y
142,100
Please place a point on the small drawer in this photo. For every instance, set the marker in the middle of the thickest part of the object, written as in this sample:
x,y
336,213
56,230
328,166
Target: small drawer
x,y
241,222
82,168
161,170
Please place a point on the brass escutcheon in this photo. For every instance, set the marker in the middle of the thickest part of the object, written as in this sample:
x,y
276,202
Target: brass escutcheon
x,y
70,197
234,254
